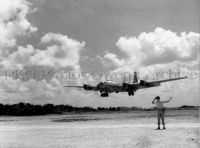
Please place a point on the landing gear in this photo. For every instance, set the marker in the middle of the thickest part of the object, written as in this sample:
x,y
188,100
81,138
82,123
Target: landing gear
x,y
104,94
130,93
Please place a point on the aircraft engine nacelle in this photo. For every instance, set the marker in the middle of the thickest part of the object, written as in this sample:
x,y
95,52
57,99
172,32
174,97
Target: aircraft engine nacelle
x,y
125,85
143,83
87,87
101,86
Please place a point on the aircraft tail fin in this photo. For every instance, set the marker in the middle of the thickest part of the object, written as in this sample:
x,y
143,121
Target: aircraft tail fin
x,y
135,77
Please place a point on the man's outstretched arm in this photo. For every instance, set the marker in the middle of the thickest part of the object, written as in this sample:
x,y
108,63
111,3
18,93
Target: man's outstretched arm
x,y
167,100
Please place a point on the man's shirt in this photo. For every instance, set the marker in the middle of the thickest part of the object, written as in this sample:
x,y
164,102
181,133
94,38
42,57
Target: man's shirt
x,y
159,104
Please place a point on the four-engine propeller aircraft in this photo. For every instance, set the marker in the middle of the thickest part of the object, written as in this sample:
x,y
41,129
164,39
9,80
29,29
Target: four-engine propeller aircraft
x,y
108,87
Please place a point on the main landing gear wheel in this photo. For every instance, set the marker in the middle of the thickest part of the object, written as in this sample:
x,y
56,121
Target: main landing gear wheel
x,y
131,93
104,94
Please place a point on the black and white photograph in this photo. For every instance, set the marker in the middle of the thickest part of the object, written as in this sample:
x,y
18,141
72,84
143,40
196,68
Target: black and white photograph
x,y
99,74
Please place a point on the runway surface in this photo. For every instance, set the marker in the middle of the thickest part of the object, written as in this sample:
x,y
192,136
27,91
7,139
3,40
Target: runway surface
x,y
98,130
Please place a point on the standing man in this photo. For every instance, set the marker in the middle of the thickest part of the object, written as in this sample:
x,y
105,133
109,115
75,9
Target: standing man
x,y
160,110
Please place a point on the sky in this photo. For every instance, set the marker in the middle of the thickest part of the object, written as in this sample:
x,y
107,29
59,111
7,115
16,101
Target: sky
x,y
112,36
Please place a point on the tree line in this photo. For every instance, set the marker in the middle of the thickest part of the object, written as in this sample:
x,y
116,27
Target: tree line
x,y
27,109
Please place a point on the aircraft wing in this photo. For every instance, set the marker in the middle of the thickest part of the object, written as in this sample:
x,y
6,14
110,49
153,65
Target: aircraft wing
x,y
144,84
166,80
74,86
85,87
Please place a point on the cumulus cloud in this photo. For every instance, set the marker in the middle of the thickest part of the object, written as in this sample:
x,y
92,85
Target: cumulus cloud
x,y
13,23
113,57
158,47
65,52
29,91
110,60
18,59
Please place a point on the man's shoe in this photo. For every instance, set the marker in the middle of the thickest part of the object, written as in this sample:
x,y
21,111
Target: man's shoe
x,y
158,128
164,128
